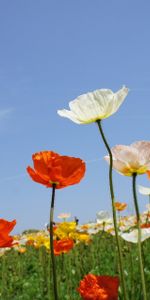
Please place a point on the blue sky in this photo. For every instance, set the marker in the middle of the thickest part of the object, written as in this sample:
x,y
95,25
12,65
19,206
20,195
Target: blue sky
x,y
51,52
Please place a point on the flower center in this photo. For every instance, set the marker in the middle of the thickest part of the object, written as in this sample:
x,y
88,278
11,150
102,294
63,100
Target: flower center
x,y
54,182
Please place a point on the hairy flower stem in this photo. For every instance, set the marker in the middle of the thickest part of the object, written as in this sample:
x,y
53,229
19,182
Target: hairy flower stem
x,y
139,235
114,210
52,244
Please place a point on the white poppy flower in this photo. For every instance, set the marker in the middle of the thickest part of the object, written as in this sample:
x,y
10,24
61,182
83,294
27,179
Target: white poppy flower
x,y
103,217
94,106
144,190
133,235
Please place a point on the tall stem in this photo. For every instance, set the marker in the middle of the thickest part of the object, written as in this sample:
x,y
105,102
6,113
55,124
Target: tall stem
x,y
139,235
113,209
52,244
148,208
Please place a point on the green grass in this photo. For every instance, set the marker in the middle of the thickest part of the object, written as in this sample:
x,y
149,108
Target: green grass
x,y
26,276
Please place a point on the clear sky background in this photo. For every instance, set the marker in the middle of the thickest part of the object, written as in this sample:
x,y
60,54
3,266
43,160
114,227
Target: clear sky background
x,y
51,52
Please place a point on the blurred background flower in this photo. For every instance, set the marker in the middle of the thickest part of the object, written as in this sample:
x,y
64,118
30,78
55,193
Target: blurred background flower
x,y
120,206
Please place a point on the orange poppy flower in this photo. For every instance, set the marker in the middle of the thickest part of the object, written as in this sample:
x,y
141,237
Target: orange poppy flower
x,y
5,228
22,250
63,246
30,243
120,206
51,168
94,287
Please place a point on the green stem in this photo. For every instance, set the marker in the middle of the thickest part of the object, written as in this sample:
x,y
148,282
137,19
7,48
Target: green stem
x,y
147,219
52,244
139,235
113,209
43,270
132,282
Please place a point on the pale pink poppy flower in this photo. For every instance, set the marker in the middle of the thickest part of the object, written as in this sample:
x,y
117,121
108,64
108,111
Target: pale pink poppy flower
x,y
132,159
64,216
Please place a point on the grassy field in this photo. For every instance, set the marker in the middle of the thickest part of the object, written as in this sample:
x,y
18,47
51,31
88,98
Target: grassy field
x,y
25,276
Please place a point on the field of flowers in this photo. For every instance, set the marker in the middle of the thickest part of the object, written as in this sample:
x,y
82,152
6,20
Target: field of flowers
x,y
105,260
83,249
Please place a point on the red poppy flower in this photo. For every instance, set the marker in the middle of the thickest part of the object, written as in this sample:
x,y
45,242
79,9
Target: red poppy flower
x,y
146,225
94,287
63,246
148,174
5,228
50,168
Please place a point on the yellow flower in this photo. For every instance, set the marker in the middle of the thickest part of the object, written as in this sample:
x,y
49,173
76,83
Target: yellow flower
x,y
64,229
38,239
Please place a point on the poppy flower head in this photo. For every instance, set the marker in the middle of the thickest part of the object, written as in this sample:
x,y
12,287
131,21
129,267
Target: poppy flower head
x,y
93,106
5,228
111,285
64,216
94,287
51,168
132,159
63,246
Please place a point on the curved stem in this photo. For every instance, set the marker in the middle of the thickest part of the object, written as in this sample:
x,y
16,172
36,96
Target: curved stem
x,y
139,235
52,244
113,209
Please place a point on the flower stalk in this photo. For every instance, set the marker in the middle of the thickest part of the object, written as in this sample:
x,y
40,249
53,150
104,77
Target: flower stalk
x,y
114,210
134,176
148,213
52,244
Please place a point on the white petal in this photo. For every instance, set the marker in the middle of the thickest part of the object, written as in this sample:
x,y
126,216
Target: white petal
x,y
116,101
144,190
68,114
133,235
120,97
